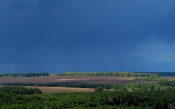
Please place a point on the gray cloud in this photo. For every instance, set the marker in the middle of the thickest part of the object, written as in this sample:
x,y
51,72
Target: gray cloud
x,y
156,50
113,32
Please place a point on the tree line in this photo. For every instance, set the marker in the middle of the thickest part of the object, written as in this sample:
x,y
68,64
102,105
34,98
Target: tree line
x,y
24,74
107,87
19,90
122,74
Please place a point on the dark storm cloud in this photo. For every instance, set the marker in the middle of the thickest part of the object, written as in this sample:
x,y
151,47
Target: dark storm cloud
x,y
89,34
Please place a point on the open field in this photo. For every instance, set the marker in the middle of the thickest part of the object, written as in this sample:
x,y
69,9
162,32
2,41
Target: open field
x,y
73,79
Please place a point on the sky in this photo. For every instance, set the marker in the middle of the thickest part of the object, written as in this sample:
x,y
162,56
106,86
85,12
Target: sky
x,y
87,35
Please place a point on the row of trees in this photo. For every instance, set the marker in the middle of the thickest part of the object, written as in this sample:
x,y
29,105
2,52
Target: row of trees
x,y
151,78
19,90
99,100
24,74
123,74
114,87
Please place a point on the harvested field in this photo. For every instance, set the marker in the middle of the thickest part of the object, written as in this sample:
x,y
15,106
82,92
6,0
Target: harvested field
x,y
73,79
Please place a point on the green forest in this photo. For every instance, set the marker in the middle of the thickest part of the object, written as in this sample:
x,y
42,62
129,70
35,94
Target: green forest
x,y
19,90
96,100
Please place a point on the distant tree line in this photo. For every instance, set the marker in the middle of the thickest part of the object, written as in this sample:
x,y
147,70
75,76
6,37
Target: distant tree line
x,y
24,74
107,87
19,90
151,78
75,85
121,74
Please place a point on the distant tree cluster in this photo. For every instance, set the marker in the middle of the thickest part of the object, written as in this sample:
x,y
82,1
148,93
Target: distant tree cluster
x,y
121,74
24,74
19,90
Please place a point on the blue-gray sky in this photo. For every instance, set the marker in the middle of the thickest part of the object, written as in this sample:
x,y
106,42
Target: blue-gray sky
x,y
87,35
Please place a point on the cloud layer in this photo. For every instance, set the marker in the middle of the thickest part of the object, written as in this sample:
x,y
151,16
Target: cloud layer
x,y
85,35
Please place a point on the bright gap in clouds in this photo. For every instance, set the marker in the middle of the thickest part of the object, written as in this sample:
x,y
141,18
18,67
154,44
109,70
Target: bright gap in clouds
x,y
156,50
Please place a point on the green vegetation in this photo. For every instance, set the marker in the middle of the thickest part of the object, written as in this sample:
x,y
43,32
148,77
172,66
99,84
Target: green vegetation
x,y
19,90
24,74
167,83
151,78
99,89
114,87
99,100
121,74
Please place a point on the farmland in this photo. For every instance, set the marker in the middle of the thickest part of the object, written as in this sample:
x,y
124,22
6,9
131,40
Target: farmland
x,y
73,79
69,80
126,90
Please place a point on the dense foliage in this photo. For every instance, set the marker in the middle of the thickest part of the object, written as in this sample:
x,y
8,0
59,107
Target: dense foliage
x,y
167,83
19,90
122,74
99,100
24,74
